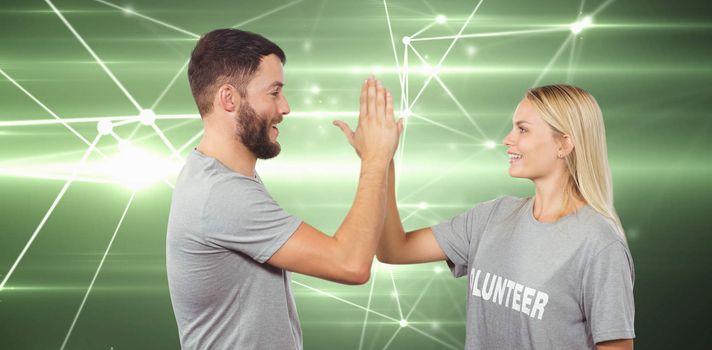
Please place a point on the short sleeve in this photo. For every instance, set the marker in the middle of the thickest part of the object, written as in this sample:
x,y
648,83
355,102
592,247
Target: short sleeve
x,y
608,294
457,235
240,215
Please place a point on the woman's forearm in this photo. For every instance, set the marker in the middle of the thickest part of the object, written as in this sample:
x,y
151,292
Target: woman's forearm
x,y
393,235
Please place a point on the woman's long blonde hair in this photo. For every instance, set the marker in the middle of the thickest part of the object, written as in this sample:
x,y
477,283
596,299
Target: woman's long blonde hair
x,y
573,111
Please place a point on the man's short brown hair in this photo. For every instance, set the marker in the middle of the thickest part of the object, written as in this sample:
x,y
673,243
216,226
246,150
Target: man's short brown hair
x,y
226,56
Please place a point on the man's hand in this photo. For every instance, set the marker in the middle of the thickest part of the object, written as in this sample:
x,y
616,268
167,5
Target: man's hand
x,y
377,134
346,257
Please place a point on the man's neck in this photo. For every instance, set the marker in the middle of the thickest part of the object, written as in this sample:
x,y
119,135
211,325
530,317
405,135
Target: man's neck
x,y
229,152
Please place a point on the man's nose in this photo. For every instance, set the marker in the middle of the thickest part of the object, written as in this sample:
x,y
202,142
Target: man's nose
x,y
284,107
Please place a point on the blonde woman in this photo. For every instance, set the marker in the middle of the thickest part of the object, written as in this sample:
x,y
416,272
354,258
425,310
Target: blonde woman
x,y
552,271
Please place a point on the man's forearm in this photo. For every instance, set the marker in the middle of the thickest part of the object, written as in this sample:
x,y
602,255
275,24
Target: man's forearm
x,y
360,231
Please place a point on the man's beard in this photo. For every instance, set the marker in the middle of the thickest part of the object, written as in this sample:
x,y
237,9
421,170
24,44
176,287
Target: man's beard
x,y
253,131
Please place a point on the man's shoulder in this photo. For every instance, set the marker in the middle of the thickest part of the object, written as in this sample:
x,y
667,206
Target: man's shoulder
x,y
210,171
214,177
234,188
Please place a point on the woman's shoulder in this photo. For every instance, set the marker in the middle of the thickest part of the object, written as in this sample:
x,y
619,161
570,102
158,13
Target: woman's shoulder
x,y
509,199
504,200
500,203
500,207
599,231
508,203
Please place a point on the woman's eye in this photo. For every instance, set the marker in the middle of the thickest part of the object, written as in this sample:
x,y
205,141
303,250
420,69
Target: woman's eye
x,y
522,129
274,93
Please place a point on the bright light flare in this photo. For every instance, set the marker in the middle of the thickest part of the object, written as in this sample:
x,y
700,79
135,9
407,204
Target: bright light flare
x,y
578,27
137,168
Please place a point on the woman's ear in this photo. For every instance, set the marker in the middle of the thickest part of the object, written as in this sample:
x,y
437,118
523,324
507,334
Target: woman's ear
x,y
567,145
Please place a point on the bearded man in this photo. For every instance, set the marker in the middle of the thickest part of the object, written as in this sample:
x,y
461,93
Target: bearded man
x,y
230,247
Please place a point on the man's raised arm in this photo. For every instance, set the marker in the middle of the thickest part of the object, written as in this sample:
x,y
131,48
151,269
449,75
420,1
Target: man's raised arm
x,y
346,256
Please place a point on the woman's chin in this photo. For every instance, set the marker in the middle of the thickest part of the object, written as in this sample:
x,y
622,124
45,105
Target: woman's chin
x,y
515,173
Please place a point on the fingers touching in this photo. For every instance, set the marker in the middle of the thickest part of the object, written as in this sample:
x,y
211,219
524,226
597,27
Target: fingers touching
x,y
377,133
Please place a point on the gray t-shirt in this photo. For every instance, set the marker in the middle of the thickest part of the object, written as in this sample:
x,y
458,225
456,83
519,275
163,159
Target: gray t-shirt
x,y
222,227
533,285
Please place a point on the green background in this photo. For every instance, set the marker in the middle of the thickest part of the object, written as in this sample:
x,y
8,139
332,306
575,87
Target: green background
x,y
647,63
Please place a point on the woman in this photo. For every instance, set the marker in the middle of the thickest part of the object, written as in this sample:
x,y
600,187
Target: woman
x,y
552,271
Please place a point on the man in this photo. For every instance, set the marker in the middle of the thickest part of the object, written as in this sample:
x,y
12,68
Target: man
x,y
230,247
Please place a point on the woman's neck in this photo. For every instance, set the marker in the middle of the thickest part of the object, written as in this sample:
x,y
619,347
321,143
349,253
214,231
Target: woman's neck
x,y
550,198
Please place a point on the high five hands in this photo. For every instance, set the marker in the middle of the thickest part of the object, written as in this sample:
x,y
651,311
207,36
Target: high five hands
x,y
377,134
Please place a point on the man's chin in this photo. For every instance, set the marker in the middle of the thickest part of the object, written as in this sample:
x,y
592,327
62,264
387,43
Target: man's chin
x,y
267,157
271,153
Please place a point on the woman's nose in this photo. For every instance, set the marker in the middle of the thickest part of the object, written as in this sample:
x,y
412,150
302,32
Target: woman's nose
x,y
506,141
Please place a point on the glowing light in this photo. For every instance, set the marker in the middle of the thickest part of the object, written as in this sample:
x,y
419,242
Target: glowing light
x,y
406,113
490,144
423,205
403,323
125,146
147,117
471,50
137,168
587,21
406,40
441,19
578,27
104,127
438,269
432,70
315,89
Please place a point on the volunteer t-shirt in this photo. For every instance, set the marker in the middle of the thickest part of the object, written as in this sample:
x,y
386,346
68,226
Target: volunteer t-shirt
x,y
567,284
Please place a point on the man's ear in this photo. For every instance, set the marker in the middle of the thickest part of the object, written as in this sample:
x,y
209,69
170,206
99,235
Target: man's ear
x,y
228,98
